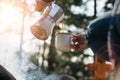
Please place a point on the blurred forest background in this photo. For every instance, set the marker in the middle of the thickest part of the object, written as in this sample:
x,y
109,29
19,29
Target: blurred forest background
x,y
73,63
78,14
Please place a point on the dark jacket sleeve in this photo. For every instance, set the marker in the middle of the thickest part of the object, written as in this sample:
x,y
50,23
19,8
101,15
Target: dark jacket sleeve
x,y
97,33
48,1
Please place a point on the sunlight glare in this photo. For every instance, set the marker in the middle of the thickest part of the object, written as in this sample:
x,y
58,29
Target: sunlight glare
x,y
10,17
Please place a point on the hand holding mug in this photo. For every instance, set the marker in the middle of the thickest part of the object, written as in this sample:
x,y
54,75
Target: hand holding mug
x,y
78,42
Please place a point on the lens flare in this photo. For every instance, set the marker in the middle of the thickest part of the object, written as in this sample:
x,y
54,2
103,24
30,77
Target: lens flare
x,y
10,17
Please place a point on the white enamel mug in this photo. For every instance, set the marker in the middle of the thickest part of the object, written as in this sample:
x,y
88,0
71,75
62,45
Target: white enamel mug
x,y
63,42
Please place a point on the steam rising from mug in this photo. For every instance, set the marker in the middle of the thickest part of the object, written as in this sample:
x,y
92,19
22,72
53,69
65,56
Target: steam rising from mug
x,y
44,26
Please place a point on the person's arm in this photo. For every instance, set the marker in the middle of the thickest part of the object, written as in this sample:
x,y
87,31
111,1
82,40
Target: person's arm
x,y
79,42
48,1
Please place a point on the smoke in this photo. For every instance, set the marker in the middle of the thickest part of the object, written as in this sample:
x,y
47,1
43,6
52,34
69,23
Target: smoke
x,y
22,68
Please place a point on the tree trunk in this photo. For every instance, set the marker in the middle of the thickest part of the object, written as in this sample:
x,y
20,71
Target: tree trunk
x,y
52,52
95,8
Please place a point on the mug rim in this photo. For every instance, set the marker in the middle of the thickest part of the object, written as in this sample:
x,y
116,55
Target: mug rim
x,y
62,33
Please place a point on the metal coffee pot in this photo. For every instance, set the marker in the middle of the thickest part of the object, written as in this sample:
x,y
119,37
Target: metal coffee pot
x,y
42,4
43,27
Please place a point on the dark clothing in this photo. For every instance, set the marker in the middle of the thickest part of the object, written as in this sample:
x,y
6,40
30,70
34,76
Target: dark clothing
x,y
5,75
97,35
48,1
